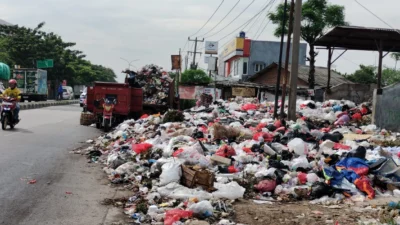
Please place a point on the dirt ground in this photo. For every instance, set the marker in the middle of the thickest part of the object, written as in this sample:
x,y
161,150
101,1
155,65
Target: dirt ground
x,y
299,213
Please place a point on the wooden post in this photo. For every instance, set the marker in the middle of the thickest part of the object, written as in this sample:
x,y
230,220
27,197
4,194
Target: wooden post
x,y
330,52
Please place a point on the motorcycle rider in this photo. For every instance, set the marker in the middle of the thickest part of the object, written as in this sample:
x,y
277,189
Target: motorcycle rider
x,y
13,92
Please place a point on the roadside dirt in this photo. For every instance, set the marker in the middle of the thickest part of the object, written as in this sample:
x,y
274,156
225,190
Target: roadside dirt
x,y
299,213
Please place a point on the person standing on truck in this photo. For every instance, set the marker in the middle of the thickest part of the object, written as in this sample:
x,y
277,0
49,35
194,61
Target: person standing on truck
x,y
60,92
13,92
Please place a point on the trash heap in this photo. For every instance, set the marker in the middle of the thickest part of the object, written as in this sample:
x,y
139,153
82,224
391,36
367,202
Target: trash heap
x,y
155,83
194,164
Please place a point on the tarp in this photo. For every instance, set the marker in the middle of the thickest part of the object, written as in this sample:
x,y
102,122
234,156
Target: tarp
x,y
4,71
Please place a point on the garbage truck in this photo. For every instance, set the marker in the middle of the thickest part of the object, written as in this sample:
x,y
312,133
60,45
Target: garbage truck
x,y
32,83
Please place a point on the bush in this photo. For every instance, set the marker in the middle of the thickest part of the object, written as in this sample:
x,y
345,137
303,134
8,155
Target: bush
x,y
195,77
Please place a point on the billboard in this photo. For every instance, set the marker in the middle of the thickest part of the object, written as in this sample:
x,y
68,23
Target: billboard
x,y
211,47
176,62
236,44
194,92
244,92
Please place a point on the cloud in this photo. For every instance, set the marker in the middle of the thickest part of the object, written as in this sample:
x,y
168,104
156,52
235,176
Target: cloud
x,y
152,30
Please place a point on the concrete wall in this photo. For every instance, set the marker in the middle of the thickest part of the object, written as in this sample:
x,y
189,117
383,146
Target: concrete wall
x,y
387,108
267,52
357,93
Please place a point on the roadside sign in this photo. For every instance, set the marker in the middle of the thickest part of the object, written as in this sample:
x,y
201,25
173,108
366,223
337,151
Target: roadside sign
x,y
211,47
206,58
47,63
212,63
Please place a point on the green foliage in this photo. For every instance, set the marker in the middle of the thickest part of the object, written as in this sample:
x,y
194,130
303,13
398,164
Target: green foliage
x,y
390,76
24,46
364,75
195,77
396,57
368,75
317,17
187,103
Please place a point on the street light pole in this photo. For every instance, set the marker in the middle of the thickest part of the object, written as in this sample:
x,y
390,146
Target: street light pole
x,y
129,62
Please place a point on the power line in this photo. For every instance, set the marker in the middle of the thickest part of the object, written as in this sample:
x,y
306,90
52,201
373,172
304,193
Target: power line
x,y
222,18
232,20
208,19
266,16
374,14
247,22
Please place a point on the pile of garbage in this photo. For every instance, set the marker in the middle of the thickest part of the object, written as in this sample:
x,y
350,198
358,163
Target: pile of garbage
x,y
155,83
194,166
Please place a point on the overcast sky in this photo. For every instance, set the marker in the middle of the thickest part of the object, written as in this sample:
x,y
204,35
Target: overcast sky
x,y
152,30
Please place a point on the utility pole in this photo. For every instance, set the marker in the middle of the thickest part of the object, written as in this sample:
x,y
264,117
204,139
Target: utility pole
x,y
186,61
289,37
193,66
295,60
278,78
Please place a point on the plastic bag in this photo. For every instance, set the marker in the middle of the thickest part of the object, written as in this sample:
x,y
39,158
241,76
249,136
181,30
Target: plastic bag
x,y
203,209
230,190
171,172
127,168
364,185
266,186
177,191
169,149
264,137
249,106
226,151
300,162
175,215
142,147
298,146
312,178
302,177
192,156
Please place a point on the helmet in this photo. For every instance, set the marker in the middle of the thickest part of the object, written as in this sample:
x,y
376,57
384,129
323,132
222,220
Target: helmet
x,y
12,81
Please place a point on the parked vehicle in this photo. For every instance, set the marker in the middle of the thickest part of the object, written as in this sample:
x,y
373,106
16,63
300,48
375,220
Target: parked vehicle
x,y
128,102
7,113
108,108
78,90
32,83
68,93
82,97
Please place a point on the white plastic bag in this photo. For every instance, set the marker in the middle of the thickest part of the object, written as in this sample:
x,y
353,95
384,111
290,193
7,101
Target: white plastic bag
x,y
202,208
300,162
298,146
312,178
171,172
127,168
192,156
230,190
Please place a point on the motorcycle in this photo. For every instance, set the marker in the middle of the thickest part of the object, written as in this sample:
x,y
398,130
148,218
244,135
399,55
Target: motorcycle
x,y
7,113
107,119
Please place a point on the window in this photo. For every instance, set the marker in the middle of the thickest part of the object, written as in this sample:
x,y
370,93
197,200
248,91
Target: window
x,y
236,67
258,67
244,68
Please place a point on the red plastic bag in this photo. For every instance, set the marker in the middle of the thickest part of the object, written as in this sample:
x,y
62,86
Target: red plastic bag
x,y
261,126
357,116
266,185
266,136
142,147
302,177
177,152
175,215
232,169
249,106
364,185
226,151
144,116
341,146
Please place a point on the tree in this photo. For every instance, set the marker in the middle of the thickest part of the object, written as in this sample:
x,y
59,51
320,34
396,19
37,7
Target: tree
x,y
195,77
364,75
396,57
24,46
317,17
390,76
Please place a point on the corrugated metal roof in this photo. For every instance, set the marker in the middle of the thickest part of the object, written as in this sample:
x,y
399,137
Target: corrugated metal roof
x,y
361,38
321,75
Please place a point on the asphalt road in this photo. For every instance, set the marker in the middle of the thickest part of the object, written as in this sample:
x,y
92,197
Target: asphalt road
x,y
68,189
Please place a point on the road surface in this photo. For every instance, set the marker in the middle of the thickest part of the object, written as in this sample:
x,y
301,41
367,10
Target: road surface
x,y
68,189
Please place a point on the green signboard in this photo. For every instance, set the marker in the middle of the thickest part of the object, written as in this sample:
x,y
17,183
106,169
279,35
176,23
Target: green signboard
x,y
47,63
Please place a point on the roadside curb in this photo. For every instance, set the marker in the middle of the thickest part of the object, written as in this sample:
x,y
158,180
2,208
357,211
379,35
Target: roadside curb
x,y
37,105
